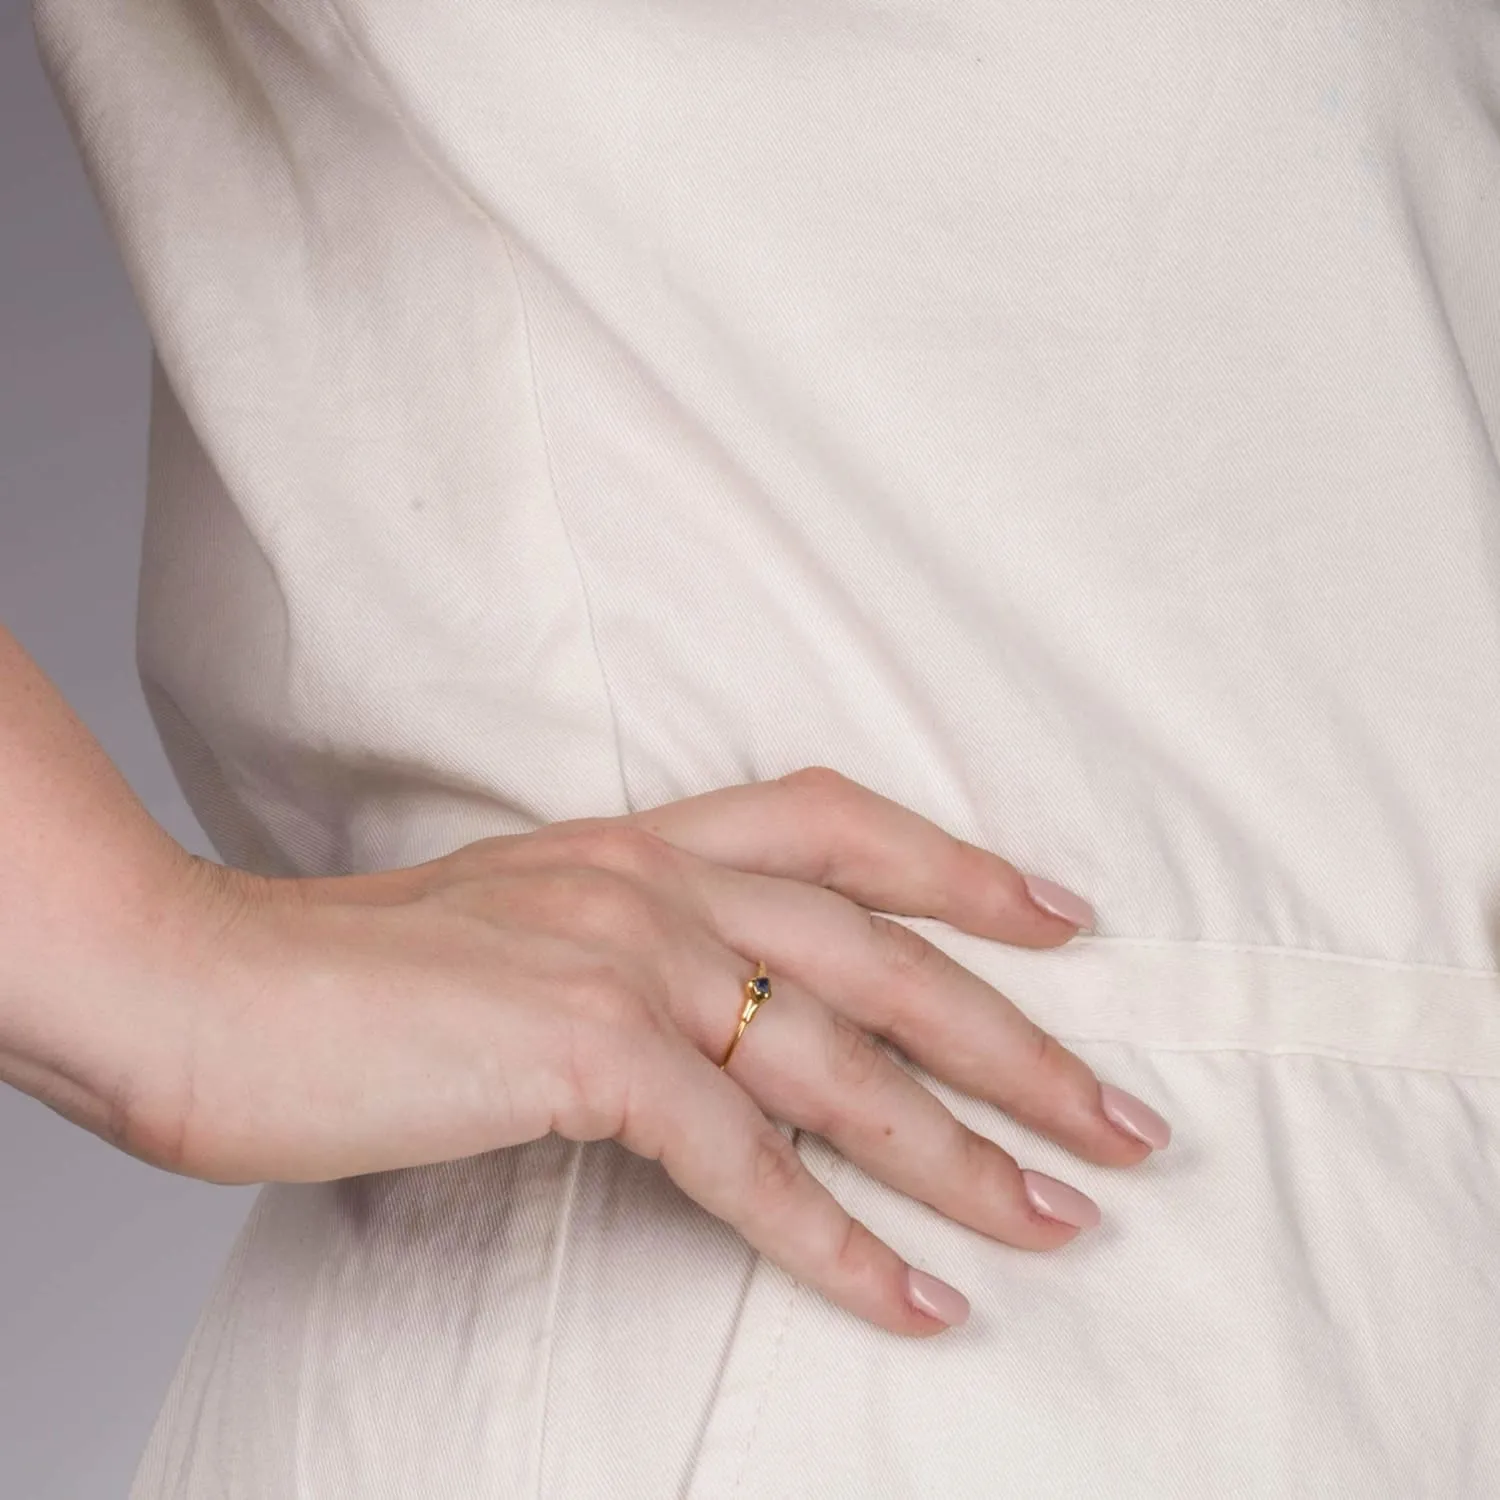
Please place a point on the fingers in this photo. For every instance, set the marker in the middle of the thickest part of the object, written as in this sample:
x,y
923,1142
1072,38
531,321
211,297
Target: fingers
x,y
723,1153
886,978
804,1064
819,827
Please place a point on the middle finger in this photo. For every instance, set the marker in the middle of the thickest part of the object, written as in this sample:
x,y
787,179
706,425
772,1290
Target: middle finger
x,y
888,979
805,1064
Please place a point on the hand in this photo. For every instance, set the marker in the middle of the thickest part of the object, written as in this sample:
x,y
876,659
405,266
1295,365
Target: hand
x,y
586,978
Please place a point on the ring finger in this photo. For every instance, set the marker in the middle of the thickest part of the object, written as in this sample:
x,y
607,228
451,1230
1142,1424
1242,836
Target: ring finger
x,y
807,1065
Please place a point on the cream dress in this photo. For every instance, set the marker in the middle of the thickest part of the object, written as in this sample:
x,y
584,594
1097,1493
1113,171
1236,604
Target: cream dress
x,y
1075,421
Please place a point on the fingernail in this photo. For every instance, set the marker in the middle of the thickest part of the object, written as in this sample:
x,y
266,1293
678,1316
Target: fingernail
x,y
1133,1116
1058,901
936,1298
1059,1201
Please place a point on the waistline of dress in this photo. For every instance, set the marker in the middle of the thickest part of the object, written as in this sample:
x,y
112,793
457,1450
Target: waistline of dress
x,y
1186,996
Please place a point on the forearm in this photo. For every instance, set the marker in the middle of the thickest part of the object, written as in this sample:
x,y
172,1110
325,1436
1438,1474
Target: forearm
x,y
87,887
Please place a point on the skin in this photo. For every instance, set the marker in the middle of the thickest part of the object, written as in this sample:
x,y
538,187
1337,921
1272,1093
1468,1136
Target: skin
x,y
583,979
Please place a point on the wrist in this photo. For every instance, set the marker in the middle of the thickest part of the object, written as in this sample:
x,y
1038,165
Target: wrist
x,y
102,977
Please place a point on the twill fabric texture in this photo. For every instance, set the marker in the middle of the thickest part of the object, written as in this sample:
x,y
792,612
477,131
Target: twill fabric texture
x,y
1077,423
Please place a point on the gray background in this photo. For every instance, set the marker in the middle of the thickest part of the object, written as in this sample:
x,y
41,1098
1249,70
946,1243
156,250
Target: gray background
x,y
104,1261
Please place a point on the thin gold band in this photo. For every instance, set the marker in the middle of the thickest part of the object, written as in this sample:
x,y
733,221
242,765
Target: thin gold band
x,y
757,992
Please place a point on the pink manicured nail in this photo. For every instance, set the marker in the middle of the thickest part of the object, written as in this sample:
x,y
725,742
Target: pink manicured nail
x,y
936,1298
1058,901
1059,1201
1126,1112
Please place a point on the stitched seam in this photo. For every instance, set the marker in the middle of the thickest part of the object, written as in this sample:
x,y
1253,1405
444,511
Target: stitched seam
x,y
562,521
549,1322
765,1389
1208,945
440,170
1084,941
567,1208
1330,1054
840,1168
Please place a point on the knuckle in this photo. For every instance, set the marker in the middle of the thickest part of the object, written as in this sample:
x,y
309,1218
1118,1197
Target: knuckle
x,y
902,950
854,1059
775,1168
485,854
857,1254
611,1021
633,850
600,994
824,1109
603,1051
614,908
821,791
976,869
1044,1053
619,846
814,777
590,1108
835,809
987,1172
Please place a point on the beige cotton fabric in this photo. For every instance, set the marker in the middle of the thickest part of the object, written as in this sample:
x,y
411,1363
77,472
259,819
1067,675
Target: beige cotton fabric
x,y
1076,422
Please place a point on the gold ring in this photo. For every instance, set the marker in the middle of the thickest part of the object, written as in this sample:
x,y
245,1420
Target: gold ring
x,y
757,992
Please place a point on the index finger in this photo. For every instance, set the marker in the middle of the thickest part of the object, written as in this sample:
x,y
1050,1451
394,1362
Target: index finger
x,y
819,826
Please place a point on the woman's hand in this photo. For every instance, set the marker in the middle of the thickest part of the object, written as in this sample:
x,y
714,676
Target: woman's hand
x,y
586,979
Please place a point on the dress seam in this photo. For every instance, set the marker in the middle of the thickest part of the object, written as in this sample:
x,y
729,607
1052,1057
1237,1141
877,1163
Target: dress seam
x,y
314,1313
563,1237
444,174
1276,951
1281,951
534,383
752,1430
1327,1054
568,1206
773,1362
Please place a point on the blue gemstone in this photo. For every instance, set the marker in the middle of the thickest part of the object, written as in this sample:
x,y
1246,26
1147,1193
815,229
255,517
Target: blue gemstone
x,y
760,986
